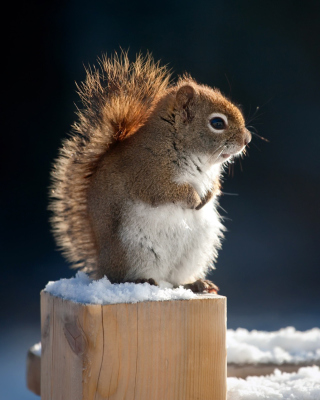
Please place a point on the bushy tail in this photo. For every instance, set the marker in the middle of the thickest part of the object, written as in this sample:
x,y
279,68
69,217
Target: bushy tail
x,y
117,100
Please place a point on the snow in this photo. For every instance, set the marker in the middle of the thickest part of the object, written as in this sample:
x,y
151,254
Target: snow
x,y
284,346
82,289
36,349
301,385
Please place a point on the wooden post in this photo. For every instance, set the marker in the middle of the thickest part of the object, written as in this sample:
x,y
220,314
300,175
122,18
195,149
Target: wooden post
x,y
169,350
33,370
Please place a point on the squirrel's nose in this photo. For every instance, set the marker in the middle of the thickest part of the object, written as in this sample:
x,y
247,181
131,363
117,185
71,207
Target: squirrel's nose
x,y
247,137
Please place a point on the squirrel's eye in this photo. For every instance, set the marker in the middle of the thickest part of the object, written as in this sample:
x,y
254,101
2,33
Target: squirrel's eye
x,y
218,123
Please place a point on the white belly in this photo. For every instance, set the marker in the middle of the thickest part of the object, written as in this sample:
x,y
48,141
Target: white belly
x,y
169,243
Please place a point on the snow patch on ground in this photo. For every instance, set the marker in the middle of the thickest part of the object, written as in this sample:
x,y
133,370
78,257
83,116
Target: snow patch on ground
x,y
284,346
82,289
301,385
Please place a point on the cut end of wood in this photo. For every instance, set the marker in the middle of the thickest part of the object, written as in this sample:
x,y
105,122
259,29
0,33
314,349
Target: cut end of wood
x,y
33,371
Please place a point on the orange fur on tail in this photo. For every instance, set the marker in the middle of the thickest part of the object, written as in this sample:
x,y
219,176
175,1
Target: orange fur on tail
x,y
117,100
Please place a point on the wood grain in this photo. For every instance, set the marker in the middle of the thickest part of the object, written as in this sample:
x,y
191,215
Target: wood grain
x,y
170,350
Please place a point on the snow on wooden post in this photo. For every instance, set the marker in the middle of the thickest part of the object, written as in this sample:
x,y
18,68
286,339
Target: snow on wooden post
x,y
154,350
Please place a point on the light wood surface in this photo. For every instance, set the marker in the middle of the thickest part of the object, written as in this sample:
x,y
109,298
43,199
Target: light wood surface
x,y
170,350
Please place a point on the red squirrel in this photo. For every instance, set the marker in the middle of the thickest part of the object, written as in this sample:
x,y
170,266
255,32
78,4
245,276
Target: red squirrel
x,y
135,188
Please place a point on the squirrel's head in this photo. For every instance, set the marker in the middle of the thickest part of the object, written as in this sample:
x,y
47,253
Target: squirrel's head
x,y
209,122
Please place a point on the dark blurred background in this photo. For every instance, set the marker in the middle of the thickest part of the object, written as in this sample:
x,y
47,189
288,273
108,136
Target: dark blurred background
x,y
262,54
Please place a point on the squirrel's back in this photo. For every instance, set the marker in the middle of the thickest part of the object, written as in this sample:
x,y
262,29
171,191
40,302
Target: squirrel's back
x,y
117,100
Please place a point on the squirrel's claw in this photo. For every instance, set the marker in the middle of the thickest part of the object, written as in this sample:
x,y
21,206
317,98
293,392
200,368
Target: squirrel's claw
x,y
201,286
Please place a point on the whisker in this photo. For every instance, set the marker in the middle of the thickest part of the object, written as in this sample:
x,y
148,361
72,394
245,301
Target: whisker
x,y
258,108
230,90
252,127
259,115
230,194
222,208
268,101
257,123
255,146
231,169
249,111
260,137
254,115
240,164
223,146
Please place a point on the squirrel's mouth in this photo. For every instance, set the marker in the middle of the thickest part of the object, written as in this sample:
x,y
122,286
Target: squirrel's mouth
x,y
232,152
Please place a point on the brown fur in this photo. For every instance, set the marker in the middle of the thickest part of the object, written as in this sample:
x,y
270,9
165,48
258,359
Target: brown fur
x,y
117,98
130,141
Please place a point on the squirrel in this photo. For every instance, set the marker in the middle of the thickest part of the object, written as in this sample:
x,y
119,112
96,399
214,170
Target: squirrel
x,y
135,187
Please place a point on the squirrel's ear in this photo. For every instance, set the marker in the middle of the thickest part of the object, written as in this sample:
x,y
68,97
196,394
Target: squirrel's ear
x,y
184,95
184,99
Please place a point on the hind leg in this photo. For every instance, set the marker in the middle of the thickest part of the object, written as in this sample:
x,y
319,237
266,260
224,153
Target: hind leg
x,y
202,286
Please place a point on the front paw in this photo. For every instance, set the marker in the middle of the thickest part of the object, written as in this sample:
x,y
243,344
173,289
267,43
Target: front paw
x,y
204,201
202,286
